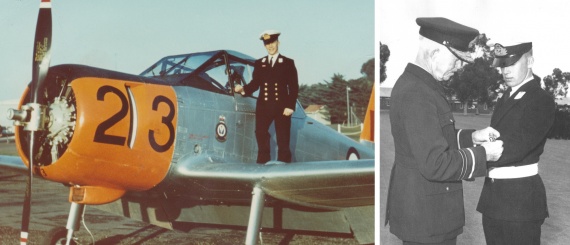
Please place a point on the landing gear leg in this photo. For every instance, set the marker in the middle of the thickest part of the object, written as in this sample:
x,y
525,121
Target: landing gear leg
x,y
75,214
255,213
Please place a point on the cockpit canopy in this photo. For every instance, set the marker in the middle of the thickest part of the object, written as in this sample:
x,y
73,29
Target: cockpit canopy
x,y
216,71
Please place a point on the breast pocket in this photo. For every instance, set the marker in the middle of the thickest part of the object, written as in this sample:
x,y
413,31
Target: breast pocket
x,y
446,119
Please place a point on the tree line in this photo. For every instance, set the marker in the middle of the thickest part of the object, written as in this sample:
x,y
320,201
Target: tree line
x,y
332,94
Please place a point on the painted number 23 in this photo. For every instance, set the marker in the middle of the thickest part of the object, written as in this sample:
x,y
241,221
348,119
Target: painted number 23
x,y
102,137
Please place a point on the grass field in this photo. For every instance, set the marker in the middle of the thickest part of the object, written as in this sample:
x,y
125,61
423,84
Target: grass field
x,y
554,170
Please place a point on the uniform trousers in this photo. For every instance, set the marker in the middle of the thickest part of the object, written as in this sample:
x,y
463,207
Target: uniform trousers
x,y
504,232
446,242
263,120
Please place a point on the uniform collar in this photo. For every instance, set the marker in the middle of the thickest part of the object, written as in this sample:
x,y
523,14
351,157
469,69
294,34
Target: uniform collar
x,y
275,56
426,77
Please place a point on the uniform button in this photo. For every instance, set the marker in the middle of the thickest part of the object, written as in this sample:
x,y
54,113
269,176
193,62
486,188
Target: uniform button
x,y
447,188
265,84
276,94
275,84
265,94
265,98
265,89
275,88
276,98
451,120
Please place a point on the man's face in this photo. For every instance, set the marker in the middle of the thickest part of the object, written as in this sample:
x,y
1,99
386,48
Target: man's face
x,y
272,48
445,64
517,72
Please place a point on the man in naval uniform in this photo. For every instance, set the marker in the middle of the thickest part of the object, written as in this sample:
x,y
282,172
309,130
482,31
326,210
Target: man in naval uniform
x,y
513,200
276,77
425,196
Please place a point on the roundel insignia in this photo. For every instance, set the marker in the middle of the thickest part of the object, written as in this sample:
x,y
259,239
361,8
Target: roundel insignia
x,y
221,130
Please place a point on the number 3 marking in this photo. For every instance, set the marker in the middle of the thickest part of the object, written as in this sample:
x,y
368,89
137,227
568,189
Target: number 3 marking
x,y
166,121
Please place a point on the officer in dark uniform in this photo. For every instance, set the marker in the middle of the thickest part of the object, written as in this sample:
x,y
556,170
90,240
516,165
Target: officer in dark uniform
x,y
425,196
276,77
513,199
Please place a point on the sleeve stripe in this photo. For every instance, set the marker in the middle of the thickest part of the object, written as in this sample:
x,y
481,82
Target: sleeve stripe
x,y
458,142
463,170
473,162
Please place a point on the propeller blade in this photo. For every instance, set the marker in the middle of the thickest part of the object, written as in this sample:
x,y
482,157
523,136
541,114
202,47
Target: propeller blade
x,y
42,44
40,67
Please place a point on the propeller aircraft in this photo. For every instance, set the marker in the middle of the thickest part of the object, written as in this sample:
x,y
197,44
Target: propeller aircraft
x,y
175,145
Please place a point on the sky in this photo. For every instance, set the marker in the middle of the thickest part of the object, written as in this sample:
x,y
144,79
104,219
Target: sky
x,y
323,37
545,23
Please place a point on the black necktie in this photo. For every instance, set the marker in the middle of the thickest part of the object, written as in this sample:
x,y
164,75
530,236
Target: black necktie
x,y
508,93
271,61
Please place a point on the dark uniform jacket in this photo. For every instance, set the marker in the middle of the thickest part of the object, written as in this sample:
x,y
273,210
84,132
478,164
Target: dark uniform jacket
x,y
523,119
425,196
278,85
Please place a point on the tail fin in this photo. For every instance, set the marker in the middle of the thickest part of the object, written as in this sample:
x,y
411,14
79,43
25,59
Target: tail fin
x,y
367,134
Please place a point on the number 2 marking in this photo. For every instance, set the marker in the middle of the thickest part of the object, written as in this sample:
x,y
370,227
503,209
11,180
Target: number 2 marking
x,y
102,137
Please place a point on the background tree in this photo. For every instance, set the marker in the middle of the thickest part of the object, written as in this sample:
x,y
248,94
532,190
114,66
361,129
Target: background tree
x,y
333,94
557,83
384,55
368,69
478,81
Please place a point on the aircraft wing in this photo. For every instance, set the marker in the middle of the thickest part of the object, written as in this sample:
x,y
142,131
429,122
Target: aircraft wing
x,y
13,163
323,184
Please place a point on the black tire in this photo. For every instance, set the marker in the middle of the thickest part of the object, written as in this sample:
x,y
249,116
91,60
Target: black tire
x,y
57,236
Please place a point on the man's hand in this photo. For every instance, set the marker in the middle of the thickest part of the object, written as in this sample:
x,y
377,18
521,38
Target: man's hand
x,y
239,89
287,112
487,134
494,150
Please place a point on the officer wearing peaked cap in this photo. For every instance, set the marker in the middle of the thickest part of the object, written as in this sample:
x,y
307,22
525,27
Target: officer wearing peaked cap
x,y
276,77
425,195
513,199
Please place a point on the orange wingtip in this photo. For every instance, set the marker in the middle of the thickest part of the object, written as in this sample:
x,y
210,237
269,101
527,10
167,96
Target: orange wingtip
x,y
368,127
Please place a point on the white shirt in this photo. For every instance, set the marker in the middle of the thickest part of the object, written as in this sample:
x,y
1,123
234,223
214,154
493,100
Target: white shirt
x,y
272,58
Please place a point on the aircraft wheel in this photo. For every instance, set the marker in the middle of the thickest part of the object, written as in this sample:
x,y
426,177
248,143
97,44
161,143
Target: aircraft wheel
x,y
352,154
57,236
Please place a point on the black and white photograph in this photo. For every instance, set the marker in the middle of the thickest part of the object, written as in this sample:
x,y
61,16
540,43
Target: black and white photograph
x,y
474,122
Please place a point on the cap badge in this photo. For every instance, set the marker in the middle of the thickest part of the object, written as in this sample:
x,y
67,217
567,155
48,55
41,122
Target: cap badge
x,y
500,50
266,36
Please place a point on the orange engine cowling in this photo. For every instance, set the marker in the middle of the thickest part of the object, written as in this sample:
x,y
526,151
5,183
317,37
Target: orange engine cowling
x,y
106,136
